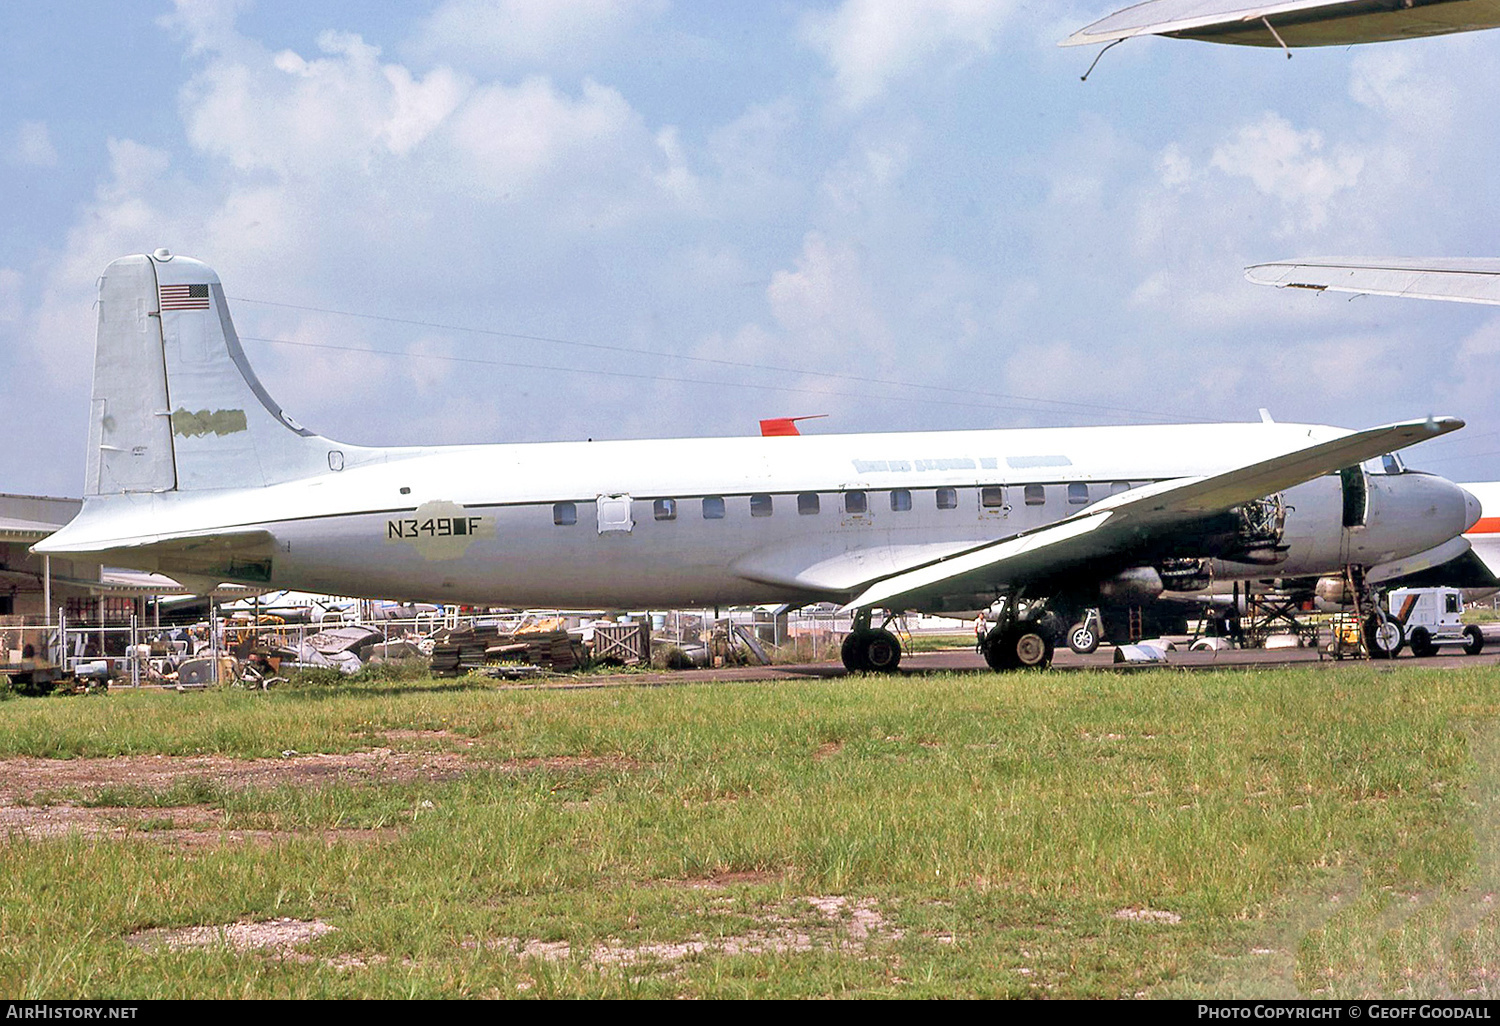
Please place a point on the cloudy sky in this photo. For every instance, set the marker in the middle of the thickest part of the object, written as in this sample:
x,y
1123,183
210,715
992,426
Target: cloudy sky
x,y
515,220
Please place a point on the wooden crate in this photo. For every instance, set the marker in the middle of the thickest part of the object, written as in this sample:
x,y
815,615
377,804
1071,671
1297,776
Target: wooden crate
x,y
630,643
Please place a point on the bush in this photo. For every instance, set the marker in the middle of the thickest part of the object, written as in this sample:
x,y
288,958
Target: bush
x,y
669,657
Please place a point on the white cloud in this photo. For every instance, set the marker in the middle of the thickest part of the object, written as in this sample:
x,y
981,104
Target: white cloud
x,y
872,44
1174,166
206,24
487,32
867,172
826,307
1290,165
33,145
340,178
1402,85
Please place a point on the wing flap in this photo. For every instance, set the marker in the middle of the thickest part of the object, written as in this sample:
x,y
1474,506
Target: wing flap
x,y
1136,520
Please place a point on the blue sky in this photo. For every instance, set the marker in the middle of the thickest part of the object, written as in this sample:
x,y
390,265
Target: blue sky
x,y
906,214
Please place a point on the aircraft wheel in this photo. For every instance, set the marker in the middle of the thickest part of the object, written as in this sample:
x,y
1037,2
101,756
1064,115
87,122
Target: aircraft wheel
x,y
1031,645
1384,636
1082,639
997,653
1421,643
1474,643
852,652
881,651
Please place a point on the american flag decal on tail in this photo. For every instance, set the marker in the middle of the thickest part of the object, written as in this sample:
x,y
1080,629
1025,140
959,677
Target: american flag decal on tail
x,y
184,297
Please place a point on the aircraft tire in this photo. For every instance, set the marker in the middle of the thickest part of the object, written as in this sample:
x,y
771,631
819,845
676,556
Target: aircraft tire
x,y
1421,643
1025,646
852,652
997,654
1384,637
1474,640
1082,639
1030,646
880,651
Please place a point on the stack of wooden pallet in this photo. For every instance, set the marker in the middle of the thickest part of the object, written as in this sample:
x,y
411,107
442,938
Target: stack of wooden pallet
x,y
472,649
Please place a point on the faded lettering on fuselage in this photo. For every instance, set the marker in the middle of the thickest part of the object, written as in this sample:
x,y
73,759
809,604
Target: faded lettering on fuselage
x,y
439,530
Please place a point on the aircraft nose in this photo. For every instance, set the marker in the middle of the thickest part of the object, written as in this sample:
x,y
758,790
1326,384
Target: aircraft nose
x,y
1472,509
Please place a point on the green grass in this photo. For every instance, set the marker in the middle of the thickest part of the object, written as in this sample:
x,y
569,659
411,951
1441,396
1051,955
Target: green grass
x,y
1330,832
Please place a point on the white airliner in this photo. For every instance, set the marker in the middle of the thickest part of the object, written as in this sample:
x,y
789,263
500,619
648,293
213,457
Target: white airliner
x,y
194,470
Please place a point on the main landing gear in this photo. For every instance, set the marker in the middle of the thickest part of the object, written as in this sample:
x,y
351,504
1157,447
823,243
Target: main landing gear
x,y
873,649
1021,646
1025,635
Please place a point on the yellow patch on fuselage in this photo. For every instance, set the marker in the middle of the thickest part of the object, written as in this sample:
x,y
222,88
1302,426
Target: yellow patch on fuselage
x,y
439,530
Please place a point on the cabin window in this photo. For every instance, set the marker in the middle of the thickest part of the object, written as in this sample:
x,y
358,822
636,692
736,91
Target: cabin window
x,y
856,502
713,507
807,504
947,498
1451,604
900,500
992,497
1078,494
564,514
1116,487
1036,495
760,505
664,509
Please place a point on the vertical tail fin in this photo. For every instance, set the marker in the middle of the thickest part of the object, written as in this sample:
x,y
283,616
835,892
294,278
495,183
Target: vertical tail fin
x,y
175,404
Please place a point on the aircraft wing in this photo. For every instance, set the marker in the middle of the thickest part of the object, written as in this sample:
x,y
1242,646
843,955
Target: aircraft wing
x,y
1454,280
1134,521
1296,23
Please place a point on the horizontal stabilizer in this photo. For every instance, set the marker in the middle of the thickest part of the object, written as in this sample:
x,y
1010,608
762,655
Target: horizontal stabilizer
x,y
1136,519
226,556
1451,279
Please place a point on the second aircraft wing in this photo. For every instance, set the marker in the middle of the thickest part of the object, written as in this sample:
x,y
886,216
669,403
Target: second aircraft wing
x,y
1291,22
1453,279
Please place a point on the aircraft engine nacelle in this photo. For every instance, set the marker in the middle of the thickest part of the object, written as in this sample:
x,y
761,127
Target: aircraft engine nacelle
x,y
1134,587
1332,593
1187,575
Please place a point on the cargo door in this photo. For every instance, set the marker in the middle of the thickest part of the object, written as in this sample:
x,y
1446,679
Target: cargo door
x,y
1356,499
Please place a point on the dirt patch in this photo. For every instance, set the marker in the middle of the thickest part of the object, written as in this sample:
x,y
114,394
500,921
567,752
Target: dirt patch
x,y
429,735
589,763
825,923
22,778
181,827
276,935
828,750
721,880
1148,915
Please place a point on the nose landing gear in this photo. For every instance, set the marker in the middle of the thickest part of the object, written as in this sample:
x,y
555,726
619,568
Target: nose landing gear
x,y
1084,636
